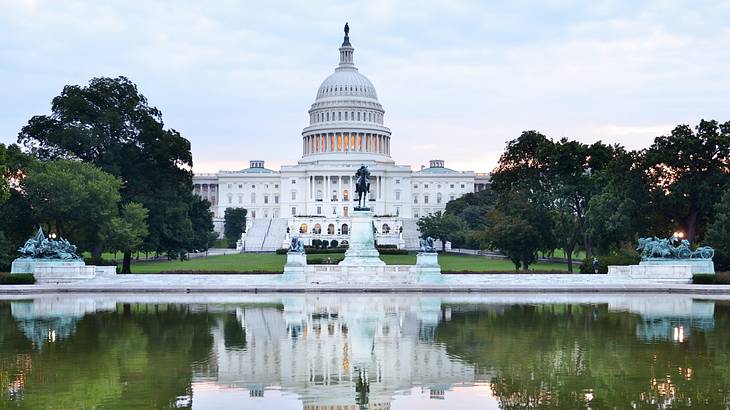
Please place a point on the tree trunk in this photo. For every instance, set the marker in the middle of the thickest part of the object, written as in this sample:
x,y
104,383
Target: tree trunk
x,y
127,263
96,252
569,255
692,226
443,246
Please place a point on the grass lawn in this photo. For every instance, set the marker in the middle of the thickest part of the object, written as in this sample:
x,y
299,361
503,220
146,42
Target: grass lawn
x,y
267,262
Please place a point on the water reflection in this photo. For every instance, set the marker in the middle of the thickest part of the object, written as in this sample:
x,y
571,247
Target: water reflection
x,y
356,351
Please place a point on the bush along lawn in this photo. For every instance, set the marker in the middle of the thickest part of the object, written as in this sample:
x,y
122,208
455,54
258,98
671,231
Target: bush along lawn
x,y
17,279
720,278
274,263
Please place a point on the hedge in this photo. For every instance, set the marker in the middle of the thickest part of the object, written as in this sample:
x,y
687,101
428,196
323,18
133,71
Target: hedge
x,y
17,279
616,259
721,278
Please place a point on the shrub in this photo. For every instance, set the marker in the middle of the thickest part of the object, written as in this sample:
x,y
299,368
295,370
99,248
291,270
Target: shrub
x,y
316,243
390,251
703,279
324,260
387,246
617,259
282,251
334,243
17,279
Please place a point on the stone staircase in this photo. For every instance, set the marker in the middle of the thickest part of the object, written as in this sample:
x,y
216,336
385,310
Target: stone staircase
x,y
265,235
410,234
275,235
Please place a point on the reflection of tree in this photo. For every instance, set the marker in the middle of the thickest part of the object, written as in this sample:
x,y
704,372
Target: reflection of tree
x,y
114,360
558,356
233,335
362,388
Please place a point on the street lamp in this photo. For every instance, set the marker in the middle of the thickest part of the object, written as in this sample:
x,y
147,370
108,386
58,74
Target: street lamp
x,y
53,235
679,234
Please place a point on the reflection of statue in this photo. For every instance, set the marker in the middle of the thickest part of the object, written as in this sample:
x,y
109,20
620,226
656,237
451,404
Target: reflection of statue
x,y
38,247
427,245
362,186
672,248
296,245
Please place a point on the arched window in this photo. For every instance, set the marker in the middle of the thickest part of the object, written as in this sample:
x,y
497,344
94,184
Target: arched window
x,y
386,228
330,229
345,229
317,229
346,195
438,198
303,228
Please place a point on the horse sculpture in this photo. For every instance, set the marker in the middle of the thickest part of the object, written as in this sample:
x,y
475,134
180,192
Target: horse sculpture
x,y
666,249
427,245
362,187
296,245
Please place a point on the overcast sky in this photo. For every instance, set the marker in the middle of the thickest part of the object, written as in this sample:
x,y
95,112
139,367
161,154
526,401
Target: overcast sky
x,y
457,78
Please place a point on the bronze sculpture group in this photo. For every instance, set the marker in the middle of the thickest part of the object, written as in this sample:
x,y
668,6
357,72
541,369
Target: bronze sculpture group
x,y
672,248
39,247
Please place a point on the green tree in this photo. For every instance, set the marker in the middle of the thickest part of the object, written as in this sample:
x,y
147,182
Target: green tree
x,y
201,218
689,171
567,232
519,228
444,227
126,232
110,124
718,232
74,199
234,224
4,182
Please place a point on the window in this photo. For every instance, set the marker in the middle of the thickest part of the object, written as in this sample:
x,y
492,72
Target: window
x,y
452,185
330,229
425,185
415,214
425,199
397,195
451,198
345,229
345,195
252,186
253,214
293,195
266,186
415,185
253,197
276,185
415,199
462,185
397,181
266,199
240,186
276,199
438,198
294,211
339,116
293,181
230,199
317,229
303,228
438,186
230,186
240,198
319,210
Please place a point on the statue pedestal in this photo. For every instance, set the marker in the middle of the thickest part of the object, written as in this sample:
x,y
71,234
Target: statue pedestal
x,y
55,271
296,264
695,265
428,267
361,250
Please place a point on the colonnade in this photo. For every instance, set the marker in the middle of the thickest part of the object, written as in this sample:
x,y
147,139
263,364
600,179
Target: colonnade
x,y
346,142
334,183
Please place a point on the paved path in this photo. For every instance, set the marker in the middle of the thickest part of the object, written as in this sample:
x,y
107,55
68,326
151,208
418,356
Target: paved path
x,y
450,283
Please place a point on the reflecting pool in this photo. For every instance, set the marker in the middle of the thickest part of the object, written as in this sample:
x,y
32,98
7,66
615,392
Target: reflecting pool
x,y
364,351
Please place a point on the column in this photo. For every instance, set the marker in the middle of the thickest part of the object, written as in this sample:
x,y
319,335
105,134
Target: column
x,y
339,188
380,187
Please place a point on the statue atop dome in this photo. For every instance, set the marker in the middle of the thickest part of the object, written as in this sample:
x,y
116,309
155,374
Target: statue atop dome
x,y
346,43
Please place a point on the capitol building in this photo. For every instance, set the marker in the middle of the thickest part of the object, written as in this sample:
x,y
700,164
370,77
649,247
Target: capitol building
x,y
314,198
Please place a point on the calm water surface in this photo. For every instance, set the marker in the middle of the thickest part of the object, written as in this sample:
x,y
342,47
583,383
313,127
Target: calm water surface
x,y
342,352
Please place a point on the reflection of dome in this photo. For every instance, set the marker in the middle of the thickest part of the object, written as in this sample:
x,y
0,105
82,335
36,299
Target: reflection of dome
x,y
346,119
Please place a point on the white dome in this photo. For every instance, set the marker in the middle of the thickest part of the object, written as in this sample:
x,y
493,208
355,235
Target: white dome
x,y
346,119
346,81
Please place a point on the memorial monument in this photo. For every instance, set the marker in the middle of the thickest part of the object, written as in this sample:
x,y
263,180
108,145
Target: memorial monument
x,y
361,250
676,252
53,260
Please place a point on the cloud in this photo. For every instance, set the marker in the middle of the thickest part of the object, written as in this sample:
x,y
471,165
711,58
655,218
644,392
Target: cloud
x,y
457,78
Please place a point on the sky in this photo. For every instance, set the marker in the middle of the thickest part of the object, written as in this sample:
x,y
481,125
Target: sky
x,y
458,79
